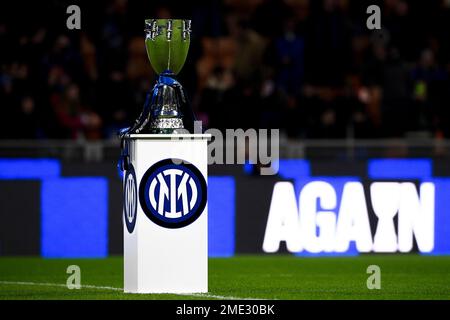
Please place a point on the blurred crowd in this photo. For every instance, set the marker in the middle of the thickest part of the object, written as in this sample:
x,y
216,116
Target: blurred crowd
x,y
310,68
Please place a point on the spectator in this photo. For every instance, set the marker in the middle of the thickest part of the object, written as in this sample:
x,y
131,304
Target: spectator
x,y
310,68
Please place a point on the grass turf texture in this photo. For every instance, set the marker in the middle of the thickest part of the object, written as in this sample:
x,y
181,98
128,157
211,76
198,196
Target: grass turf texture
x,y
274,277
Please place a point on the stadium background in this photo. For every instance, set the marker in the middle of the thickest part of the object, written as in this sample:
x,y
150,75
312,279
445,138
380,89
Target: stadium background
x,y
344,97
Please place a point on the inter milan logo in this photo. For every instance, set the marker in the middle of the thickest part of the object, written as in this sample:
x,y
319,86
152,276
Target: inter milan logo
x,y
130,199
172,193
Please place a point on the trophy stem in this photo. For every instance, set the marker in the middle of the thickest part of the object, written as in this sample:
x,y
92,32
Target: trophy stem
x,y
167,99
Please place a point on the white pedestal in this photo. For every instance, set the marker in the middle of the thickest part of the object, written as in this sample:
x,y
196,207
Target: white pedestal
x,y
165,215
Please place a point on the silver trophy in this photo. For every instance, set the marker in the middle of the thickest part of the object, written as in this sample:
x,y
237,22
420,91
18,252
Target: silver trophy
x,y
166,109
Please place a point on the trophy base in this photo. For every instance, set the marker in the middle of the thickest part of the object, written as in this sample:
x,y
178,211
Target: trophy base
x,y
165,131
166,125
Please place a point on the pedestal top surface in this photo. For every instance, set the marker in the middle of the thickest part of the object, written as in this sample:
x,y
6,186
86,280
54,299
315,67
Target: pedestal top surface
x,y
169,136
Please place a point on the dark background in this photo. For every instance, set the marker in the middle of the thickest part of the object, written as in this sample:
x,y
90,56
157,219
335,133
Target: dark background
x,y
310,68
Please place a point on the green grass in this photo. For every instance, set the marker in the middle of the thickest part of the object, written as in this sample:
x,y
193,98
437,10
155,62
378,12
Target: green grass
x,y
274,277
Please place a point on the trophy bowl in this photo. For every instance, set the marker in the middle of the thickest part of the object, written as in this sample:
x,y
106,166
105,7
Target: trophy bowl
x,y
167,44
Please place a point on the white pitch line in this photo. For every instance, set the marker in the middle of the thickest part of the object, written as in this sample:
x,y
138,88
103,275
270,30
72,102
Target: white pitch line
x,y
47,284
206,295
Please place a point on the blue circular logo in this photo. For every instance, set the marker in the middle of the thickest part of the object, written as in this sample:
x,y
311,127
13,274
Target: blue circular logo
x,y
172,193
130,199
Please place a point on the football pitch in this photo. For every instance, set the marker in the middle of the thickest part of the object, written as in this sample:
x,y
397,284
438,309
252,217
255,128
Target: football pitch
x,y
241,277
